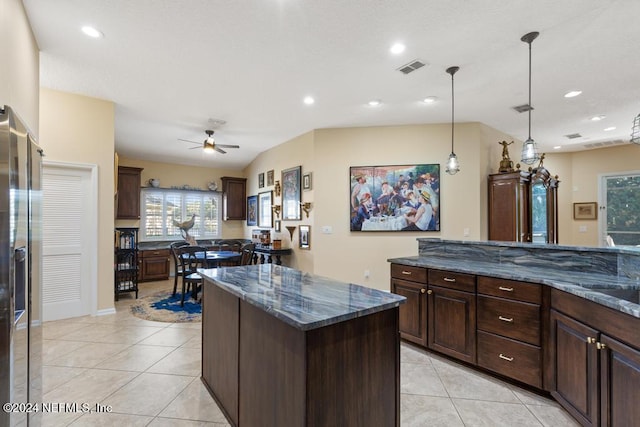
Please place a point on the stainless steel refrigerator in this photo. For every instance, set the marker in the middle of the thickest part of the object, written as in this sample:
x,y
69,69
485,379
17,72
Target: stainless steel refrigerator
x,y
20,277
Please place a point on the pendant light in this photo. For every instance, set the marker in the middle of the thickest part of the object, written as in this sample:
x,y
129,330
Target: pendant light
x,y
530,153
635,131
453,166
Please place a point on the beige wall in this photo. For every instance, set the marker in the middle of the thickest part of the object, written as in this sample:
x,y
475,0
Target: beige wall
x,y
19,72
79,129
178,175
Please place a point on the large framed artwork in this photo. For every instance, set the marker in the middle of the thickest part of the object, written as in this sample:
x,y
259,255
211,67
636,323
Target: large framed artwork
x,y
395,198
252,210
291,194
265,217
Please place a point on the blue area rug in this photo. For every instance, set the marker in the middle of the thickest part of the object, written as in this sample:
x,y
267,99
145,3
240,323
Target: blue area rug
x,y
163,307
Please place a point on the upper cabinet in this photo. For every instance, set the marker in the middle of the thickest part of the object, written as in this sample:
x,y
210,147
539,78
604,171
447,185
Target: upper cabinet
x,y
128,195
234,198
523,206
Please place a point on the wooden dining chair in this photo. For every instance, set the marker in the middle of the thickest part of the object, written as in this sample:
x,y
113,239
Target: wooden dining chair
x,y
191,258
247,253
177,265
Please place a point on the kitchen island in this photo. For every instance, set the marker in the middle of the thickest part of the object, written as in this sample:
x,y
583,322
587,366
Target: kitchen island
x,y
285,348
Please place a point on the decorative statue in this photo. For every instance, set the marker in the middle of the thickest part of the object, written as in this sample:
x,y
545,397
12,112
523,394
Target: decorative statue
x,y
184,227
506,165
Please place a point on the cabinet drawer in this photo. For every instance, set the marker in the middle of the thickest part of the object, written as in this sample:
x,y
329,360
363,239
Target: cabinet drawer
x,y
405,272
155,253
510,358
521,291
448,279
517,320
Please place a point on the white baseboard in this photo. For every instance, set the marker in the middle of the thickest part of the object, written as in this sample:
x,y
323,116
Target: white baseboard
x,y
106,311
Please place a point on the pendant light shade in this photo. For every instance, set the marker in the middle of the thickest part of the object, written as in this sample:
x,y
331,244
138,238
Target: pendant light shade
x,y
635,131
530,153
453,166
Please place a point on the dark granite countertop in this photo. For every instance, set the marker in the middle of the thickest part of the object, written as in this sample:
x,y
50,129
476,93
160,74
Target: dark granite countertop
x,y
592,286
302,300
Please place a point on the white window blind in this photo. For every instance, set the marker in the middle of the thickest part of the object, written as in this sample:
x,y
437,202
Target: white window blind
x,y
160,207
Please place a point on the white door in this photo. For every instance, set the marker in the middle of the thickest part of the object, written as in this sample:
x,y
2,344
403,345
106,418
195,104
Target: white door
x,y
68,240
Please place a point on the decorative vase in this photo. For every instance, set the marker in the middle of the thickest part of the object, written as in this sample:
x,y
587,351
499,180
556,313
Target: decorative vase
x,y
155,183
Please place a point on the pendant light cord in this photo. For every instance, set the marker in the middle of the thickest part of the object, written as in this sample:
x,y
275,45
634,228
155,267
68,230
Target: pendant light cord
x,y
530,107
452,111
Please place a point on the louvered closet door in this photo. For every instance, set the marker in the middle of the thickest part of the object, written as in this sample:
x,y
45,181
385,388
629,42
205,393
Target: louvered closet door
x,y
66,278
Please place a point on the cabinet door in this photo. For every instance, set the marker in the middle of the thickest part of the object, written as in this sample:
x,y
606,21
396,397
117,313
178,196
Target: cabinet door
x,y
452,323
155,266
620,379
413,313
509,207
234,198
128,201
575,367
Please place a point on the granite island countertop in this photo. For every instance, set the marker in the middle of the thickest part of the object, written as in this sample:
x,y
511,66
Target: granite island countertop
x,y
591,286
302,300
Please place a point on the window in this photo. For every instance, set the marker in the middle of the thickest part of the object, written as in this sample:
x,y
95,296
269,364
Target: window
x,y
620,194
160,207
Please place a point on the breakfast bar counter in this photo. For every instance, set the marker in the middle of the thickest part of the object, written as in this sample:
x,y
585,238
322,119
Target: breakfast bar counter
x,y
285,348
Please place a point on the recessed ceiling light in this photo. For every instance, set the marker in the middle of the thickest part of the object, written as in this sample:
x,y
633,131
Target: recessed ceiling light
x,y
597,118
374,102
572,94
430,99
609,129
308,100
557,147
398,48
92,32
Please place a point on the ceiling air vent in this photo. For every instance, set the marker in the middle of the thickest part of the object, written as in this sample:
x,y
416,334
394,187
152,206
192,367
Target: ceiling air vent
x,y
522,108
573,136
411,66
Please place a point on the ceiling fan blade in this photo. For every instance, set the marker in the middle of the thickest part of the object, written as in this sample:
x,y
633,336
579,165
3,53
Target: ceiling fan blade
x,y
186,140
194,148
227,146
219,150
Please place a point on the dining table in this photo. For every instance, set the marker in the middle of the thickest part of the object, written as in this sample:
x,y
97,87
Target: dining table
x,y
213,258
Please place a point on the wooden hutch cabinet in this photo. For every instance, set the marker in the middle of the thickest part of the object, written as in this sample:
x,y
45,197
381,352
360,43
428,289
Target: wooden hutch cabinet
x,y
234,198
128,196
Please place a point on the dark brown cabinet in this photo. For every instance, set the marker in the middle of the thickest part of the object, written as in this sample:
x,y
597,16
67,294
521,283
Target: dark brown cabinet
x,y
594,376
411,283
128,195
509,207
154,264
452,314
234,198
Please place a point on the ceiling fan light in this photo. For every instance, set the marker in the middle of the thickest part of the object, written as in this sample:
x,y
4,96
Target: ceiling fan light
x,y
208,147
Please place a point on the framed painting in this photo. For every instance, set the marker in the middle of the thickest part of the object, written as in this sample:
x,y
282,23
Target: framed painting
x,y
306,181
265,216
304,238
252,210
588,210
270,178
291,194
395,198
261,180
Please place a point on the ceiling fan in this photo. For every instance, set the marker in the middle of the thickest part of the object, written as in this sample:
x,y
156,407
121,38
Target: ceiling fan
x,y
209,145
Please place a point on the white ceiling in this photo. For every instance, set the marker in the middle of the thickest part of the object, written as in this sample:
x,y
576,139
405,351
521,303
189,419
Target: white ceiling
x,y
170,66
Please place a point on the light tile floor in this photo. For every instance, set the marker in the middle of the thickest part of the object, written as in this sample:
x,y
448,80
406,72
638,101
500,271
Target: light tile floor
x,y
148,372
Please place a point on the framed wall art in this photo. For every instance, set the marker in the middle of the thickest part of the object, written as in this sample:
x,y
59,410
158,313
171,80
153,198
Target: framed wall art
x,y
291,194
395,198
587,210
265,216
304,237
252,210
270,178
306,181
261,180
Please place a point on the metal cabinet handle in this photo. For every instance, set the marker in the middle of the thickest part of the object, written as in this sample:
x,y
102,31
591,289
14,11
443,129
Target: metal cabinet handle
x,y
503,357
429,292
591,340
502,288
422,291
506,319
448,279
600,346
406,273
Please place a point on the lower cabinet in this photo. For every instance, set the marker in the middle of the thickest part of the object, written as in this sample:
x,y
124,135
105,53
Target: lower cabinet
x,y
154,264
595,377
411,283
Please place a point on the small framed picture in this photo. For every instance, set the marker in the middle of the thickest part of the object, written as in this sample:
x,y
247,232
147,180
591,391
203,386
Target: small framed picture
x,y
261,180
252,210
265,218
587,210
270,178
306,181
305,237
277,226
